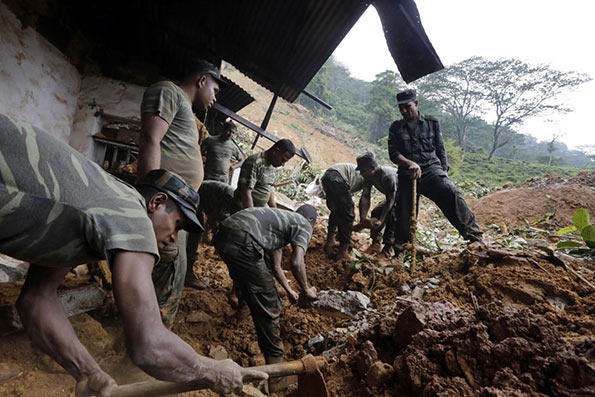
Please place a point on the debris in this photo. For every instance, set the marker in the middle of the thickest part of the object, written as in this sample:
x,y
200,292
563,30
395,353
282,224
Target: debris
x,y
379,373
12,269
404,289
218,352
345,304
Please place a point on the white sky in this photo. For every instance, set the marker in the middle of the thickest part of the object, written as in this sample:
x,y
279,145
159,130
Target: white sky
x,y
554,32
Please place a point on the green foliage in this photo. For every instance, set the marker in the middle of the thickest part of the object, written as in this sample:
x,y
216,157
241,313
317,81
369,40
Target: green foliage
x,y
382,104
582,227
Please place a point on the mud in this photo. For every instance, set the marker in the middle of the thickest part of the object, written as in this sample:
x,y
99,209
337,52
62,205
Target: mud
x,y
468,322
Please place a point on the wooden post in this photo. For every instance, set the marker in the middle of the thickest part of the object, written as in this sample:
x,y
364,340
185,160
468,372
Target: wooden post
x,y
413,226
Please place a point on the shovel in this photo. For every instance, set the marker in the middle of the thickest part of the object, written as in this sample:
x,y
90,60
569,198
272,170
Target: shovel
x,y
311,382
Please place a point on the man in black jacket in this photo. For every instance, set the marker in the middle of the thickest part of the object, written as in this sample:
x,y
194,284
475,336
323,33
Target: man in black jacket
x,y
415,144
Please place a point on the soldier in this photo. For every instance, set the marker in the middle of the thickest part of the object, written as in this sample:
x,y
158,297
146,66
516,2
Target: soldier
x,y
215,203
243,241
384,179
339,182
169,139
58,210
415,145
258,174
219,151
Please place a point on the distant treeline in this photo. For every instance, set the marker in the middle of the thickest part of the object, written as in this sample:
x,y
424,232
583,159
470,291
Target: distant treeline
x,y
366,109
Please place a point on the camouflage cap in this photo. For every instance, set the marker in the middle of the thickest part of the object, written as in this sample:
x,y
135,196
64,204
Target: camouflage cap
x,y
206,67
406,96
182,193
366,161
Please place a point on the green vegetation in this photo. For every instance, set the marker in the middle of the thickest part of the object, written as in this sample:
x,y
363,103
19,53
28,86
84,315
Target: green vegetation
x,y
583,229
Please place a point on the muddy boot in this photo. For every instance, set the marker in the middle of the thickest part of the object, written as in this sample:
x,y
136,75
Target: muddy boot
x,y
343,254
331,243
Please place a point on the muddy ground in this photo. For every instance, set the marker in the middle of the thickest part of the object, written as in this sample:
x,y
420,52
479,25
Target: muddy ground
x,y
468,321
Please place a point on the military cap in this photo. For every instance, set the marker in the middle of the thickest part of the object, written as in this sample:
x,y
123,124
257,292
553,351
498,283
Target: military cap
x,y
366,161
406,96
177,189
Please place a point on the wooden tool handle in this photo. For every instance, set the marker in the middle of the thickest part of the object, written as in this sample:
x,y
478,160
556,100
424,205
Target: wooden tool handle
x,y
160,388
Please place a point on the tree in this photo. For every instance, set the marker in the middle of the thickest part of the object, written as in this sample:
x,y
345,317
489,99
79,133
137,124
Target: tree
x,y
382,104
551,148
516,90
589,150
456,91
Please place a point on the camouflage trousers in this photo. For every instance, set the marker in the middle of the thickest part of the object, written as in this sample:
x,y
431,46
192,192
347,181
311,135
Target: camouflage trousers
x,y
168,278
442,191
254,281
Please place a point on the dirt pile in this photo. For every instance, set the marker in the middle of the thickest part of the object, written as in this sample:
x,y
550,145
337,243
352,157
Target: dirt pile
x,y
548,201
438,349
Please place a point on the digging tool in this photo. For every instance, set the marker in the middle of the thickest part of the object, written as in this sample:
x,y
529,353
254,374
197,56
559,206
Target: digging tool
x,y
413,226
311,382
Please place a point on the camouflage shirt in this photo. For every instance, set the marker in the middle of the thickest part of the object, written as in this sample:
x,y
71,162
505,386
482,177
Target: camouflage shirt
x,y
180,151
354,179
58,208
271,228
219,153
385,180
259,175
215,198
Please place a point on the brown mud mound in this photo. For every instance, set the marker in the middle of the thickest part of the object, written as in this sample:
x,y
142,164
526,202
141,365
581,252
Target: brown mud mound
x,y
427,349
552,198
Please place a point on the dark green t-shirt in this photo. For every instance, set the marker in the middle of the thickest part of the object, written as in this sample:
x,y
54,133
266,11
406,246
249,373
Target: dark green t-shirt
x,y
219,153
57,208
271,228
259,175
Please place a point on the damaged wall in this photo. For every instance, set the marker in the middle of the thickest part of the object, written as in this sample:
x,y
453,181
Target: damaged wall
x,y
113,97
37,82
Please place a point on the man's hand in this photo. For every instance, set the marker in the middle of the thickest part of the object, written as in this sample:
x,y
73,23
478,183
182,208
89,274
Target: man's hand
x,y
230,377
415,170
97,384
292,296
310,293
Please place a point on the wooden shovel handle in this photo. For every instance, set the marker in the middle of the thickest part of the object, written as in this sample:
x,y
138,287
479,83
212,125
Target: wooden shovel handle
x,y
160,388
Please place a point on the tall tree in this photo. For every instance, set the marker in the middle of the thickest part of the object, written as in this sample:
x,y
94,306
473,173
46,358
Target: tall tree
x,y
382,104
516,90
457,92
551,148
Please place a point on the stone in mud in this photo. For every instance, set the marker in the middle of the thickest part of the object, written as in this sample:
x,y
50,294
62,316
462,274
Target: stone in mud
x,y
379,373
345,304
364,358
12,269
218,352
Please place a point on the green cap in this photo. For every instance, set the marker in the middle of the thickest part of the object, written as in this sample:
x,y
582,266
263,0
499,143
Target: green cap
x,y
181,192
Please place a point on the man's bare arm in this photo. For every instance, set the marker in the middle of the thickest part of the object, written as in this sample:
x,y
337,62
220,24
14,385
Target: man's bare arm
x,y
246,196
364,204
276,256
153,129
298,269
152,347
271,201
48,327
390,201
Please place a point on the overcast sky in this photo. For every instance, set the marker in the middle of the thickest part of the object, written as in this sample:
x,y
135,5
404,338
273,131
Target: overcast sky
x,y
557,33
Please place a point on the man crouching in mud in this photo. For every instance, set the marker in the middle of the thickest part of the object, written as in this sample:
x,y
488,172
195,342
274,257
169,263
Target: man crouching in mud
x,y
58,210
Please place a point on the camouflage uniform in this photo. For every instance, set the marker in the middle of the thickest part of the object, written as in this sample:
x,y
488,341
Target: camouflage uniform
x,y
180,153
243,240
215,200
421,141
57,208
339,183
219,154
259,175
385,180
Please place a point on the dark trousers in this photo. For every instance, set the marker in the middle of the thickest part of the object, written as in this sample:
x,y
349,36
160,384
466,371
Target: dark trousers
x,y
255,283
442,191
388,238
340,203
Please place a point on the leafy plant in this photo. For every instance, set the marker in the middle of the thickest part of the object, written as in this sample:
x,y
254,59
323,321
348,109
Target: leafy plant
x,y
583,227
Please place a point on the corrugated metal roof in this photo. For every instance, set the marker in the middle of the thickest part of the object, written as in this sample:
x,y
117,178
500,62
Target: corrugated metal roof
x,y
280,44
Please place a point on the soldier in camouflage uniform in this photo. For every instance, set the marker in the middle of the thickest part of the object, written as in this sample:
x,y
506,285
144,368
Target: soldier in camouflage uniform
x,y
339,182
415,144
58,210
215,202
384,179
243,241
258,174
219,151
169,139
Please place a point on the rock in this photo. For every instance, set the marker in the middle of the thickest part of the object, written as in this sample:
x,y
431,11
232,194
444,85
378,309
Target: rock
x,y
218,353
12,269
251,391
379,373
315,345
198,317
417,293
404,289
364,358
346,304
434,280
